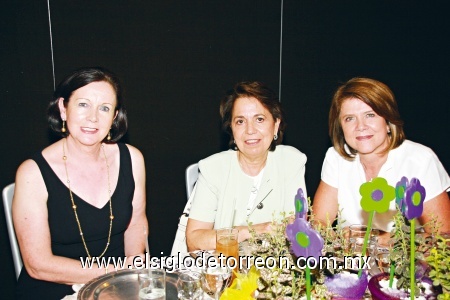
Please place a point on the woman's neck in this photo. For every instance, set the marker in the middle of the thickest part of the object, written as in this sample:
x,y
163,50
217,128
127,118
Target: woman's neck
x,y
82,152
251,166
372,164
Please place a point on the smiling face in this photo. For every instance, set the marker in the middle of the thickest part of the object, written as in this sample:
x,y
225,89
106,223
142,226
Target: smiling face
x,y
364,130
90,112
253,127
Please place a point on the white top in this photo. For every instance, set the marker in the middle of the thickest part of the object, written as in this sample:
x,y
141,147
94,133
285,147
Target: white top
x,y
409,159
223,186
254,191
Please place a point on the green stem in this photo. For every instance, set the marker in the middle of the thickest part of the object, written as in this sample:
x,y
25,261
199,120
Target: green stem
x,y
294,282
308,283
391,273
366,239
412,258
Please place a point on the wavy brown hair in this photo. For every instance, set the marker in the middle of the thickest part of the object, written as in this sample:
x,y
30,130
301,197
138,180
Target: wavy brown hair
x,y
261,92
375,94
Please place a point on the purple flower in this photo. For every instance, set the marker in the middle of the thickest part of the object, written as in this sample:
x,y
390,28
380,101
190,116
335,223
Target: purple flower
x,y
301,205
400,193
414,197
376,195
305,241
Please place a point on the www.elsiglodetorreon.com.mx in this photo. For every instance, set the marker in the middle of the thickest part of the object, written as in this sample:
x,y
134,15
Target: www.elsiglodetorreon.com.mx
x,y
173,263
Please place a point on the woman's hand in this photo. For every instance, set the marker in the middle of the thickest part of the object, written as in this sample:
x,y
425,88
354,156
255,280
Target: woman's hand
x,y
244,233
262,227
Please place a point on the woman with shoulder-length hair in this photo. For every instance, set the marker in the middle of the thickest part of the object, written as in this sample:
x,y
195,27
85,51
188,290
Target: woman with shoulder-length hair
x,y
368,141
82,197
256,179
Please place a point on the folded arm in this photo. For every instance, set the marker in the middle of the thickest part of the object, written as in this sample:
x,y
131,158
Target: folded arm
x,y
437,207
201,235
325,204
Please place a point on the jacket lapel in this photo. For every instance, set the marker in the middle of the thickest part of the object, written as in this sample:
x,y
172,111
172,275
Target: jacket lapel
x,y
267,183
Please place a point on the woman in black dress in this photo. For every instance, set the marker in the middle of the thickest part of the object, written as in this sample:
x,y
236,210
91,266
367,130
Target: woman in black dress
x,y
82,197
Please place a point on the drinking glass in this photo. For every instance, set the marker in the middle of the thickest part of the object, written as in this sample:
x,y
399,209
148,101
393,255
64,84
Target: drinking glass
x,y
227,244
188,286
152,284
215,279
357,234
245,254
383,261
373,246
382,255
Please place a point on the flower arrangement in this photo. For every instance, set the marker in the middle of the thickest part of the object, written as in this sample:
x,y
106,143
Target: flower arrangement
x,y
407,255
400,254
439,263
409,198
289,240
243,287
281,281
376,195
294,237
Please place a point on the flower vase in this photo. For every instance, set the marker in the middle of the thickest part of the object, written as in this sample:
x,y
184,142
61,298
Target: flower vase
x,y
346,286
378,293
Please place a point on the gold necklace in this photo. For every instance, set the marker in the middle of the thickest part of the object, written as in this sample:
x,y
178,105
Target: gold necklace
x,y
111,217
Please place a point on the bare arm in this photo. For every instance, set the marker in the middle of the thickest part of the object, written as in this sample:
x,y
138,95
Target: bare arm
x,y
325,204
201,235
30,217
438,207
135,238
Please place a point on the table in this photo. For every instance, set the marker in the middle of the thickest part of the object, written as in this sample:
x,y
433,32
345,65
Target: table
x,y
122,284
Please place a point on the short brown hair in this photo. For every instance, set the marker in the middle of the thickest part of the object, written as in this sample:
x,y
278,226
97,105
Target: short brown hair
x,y
261,92
375,94
77,79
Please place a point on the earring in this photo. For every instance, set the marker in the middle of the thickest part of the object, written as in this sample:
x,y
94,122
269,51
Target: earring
x,y
63,129
108,137
275,137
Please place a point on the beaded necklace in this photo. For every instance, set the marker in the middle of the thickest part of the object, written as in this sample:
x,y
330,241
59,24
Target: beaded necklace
x,y
111,217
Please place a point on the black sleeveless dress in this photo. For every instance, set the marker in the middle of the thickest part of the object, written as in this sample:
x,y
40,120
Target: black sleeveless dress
x,y
65,235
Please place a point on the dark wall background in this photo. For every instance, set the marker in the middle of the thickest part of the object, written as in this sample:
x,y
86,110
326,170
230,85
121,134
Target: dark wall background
x,y
177,58
401,43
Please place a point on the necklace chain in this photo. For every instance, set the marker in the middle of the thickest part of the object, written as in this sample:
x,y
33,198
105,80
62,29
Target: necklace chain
x,y
111,217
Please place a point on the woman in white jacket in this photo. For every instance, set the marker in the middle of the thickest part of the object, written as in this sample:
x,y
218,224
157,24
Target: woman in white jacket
x,y
254,181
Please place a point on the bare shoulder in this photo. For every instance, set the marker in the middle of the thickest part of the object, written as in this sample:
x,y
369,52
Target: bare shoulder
x,y
29,182
136,155
29,168
27,171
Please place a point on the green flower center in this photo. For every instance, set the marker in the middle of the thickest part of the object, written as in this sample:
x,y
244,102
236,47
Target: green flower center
x,y
400,192
416,198
302,239
298,206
